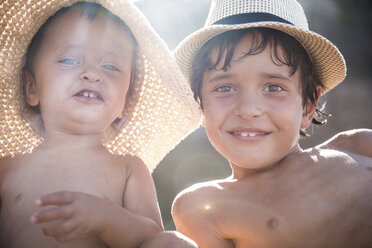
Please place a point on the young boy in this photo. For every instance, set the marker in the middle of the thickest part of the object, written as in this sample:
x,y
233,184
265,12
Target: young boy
x,y
257,73
85,71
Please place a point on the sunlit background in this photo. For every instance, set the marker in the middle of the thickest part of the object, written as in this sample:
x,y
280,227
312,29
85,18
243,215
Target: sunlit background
x,y
345,22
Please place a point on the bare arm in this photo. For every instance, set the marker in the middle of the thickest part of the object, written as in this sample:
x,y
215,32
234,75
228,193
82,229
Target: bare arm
x,y
140,218
357,141
194,219
170,239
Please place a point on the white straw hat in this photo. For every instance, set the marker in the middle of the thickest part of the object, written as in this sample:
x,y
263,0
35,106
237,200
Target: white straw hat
x,y
284,15
159,115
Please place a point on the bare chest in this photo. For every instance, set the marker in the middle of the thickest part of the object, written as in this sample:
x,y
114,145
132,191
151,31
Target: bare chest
x,y
317,213
25,182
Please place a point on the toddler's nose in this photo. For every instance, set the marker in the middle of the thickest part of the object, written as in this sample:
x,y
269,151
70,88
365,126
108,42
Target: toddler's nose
x,y
91,76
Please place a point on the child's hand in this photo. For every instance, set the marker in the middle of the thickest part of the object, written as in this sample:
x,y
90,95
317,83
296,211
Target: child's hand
x,y
75,216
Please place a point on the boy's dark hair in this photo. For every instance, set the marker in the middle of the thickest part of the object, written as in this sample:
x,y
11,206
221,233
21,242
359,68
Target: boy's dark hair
x,y
294,56
88,10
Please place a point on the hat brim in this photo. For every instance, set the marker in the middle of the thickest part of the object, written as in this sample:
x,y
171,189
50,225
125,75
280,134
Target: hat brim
x,y
328,62
161,114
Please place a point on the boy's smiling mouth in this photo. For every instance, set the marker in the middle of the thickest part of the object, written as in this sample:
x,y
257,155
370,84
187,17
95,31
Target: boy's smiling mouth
x,y
248,133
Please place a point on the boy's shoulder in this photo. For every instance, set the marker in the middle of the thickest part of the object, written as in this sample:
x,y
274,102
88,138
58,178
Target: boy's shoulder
x,y
206,189
198,198
201,209
347,154
356,141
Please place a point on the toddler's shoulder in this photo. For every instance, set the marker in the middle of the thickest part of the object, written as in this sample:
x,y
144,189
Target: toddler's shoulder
x,y
358,141
129,161
8,162
4,163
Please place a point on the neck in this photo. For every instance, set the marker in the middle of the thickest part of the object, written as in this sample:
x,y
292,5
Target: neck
x,y
57,139
241,173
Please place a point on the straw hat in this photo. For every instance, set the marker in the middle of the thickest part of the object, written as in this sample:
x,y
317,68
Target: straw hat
x,y
159,115
284,15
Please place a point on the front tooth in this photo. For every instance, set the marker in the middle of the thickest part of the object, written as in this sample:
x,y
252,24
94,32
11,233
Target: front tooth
x,y
91,95
248,134
86,94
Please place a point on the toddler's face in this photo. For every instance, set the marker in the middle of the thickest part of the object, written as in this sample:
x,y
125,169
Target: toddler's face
x,y
81,73
253,112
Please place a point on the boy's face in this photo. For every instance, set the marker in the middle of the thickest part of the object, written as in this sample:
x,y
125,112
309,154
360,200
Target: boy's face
x,y
81,72
253,112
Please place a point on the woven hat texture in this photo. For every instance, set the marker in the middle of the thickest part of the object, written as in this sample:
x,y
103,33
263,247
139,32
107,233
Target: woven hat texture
x,y
284,15
159,115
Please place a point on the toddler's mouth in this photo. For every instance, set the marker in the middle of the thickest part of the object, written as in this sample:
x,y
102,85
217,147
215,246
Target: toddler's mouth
x,y
89,94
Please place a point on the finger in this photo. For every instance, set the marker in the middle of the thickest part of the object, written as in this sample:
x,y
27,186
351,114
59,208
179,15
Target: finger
x,y
52,214
64,238
57,198
60,230
67,237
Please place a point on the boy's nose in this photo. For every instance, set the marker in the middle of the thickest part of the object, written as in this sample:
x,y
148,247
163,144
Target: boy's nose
x,y
248,106
91,76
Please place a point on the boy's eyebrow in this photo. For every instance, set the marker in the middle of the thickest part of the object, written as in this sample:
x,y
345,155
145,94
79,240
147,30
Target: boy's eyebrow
x,y
220,76
275,75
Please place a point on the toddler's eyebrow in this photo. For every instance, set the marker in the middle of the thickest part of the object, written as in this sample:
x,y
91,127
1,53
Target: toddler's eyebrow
x,y
116,55
69,48
107,52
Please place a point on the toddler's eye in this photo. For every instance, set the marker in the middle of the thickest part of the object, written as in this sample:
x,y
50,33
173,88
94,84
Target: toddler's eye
x,y
111,67
273,88
69,61
224,88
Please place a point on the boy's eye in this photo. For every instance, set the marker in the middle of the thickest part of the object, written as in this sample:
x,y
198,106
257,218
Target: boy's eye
x,y
273,88
111,67
69,61
224,88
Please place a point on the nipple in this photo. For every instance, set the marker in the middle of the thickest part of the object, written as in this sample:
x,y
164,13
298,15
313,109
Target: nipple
x,y
272,224
18,198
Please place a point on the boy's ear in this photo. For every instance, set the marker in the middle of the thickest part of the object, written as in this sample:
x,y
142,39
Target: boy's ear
x,y
309,111
30,89
202,116
202,120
